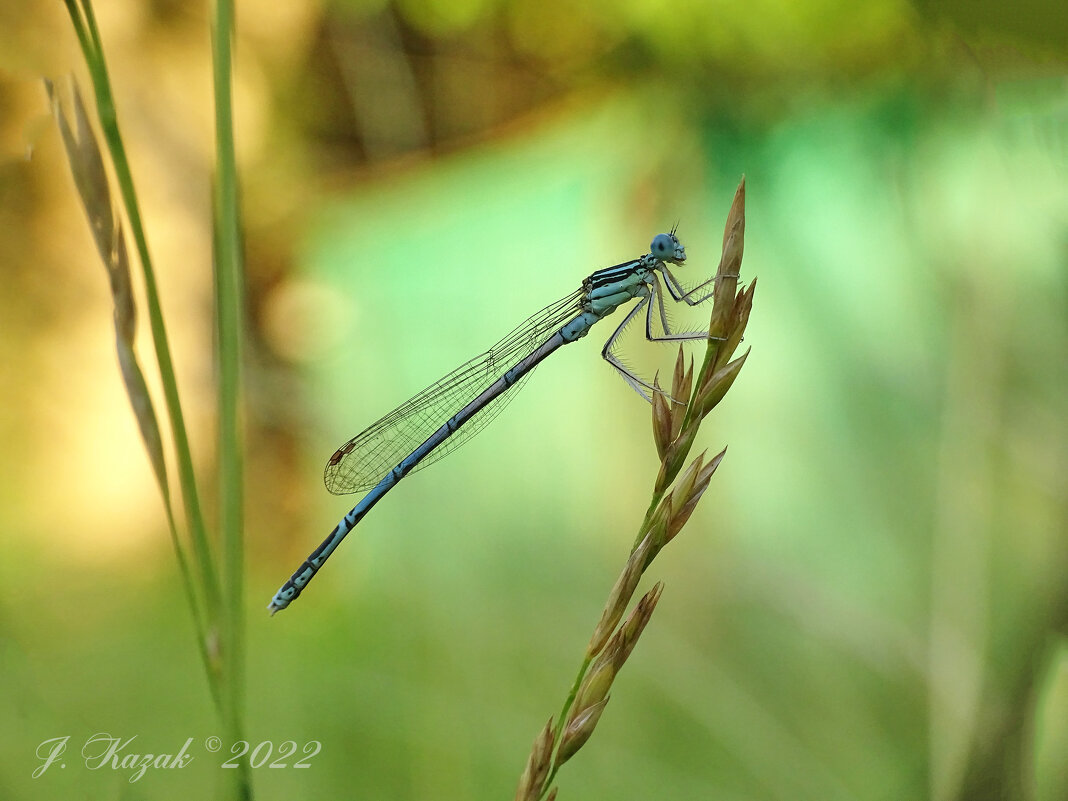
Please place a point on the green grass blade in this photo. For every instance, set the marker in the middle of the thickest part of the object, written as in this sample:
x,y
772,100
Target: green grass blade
x,y
90,179
89,37
229,281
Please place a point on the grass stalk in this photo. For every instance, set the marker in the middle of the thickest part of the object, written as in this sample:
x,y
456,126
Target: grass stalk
x,y
81,14
215,587
229,303
675,494
90,177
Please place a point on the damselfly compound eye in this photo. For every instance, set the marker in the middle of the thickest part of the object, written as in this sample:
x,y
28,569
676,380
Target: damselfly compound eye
x,y
663,246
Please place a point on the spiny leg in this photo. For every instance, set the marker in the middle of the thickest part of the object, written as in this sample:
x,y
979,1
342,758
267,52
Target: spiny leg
x,y
608,354
669,335
663,314
679,295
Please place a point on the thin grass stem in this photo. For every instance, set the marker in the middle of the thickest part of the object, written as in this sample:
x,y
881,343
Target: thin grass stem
x,y
229,279
89,37
675,494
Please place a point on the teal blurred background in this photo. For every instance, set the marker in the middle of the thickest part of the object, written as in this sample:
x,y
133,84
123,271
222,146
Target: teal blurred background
x,y
871,601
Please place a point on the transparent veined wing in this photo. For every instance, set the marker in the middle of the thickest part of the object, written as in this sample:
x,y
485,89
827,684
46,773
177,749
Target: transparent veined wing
x,y
365,459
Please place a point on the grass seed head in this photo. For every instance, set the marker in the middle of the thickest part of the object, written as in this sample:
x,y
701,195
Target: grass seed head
x,y
532,781
662,418
578,731
596,685
636,623
681,386
717,384
619,597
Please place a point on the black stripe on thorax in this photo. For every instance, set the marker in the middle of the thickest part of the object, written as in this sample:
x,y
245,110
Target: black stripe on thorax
x,y
609,275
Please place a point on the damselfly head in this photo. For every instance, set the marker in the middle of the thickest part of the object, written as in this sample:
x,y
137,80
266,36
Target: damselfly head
x,y
666,247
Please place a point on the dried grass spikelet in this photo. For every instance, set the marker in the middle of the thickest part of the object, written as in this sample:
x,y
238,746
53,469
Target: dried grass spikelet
x,y
91,180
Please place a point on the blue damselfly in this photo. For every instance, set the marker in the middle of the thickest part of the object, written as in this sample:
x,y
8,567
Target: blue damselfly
x,y
452,410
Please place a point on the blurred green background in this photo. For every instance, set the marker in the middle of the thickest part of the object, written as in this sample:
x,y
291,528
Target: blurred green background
x,y
871,601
